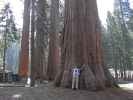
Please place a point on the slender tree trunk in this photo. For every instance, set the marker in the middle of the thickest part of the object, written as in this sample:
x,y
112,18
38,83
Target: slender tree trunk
x,y
53,58
5,47
33,70
24,55
81,46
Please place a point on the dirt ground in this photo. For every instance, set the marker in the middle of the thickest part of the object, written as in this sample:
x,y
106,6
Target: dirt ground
x,y
48,92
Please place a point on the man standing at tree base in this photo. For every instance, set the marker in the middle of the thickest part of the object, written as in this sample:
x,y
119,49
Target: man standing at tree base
x,y
75,78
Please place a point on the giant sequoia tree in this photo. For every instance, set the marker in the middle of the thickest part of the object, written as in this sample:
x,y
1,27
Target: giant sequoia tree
x,y
24,55
53,58
81,47
41,38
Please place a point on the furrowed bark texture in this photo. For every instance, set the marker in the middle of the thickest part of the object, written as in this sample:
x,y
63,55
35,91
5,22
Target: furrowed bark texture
x,y
24,54
41,32
81,46
53,58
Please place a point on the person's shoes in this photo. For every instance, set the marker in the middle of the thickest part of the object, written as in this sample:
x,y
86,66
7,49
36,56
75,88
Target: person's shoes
x,y
74,88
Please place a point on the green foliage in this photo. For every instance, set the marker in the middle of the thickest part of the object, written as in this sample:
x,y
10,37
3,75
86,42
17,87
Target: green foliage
x,y
8,30
117,41
8,24
130,22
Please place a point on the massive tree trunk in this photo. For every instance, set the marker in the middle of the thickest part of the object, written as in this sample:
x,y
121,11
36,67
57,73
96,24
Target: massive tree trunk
x,y
24,55
41,38
53,57
81,46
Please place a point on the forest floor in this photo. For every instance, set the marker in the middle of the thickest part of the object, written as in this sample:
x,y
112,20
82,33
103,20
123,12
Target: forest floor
x,y
48,92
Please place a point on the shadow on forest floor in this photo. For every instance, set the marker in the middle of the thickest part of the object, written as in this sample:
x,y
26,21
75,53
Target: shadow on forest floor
x,y
48,92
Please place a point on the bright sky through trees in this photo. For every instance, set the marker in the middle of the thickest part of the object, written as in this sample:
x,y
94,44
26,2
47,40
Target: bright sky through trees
x,y
103,7
17,6
107,5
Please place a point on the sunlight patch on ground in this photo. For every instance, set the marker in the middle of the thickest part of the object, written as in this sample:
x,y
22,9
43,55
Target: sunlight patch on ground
x,y
17,96
128,86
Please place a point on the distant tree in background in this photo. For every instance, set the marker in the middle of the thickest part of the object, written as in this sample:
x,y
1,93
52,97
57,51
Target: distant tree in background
x,y
130,21
9,30
119,42
7,23
115,40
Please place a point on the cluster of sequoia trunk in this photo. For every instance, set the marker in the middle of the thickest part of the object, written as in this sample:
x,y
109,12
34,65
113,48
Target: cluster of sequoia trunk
x,y
37,22
81,47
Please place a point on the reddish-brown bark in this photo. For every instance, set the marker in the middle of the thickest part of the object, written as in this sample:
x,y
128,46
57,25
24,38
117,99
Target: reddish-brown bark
x,y
24,58
81,46
24,54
